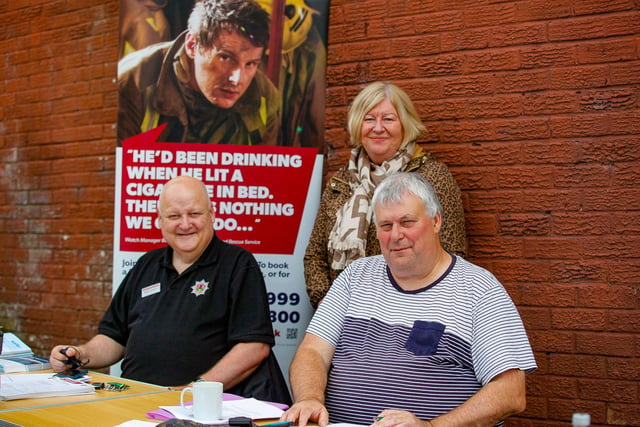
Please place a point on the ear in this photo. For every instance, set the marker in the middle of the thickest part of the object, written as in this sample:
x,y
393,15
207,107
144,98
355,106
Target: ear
x,y
190,45
437,223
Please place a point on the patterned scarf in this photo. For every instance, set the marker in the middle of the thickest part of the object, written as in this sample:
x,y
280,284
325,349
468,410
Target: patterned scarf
x,y
348,238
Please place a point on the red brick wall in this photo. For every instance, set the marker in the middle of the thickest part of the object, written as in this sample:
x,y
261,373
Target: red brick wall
x,y
534,105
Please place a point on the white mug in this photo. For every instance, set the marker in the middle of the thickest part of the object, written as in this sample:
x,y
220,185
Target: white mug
x,y
207,400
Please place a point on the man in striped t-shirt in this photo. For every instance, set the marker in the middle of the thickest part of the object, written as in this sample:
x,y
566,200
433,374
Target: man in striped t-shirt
x,y
415,336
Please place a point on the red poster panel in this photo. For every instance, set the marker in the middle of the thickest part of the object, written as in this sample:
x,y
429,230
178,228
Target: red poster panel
x,y
259,192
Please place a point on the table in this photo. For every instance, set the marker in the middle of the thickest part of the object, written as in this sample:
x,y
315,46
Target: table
x,y
105,408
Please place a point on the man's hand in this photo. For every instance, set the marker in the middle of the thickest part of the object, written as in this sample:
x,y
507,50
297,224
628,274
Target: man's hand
x,y
307,410
60,361
397,418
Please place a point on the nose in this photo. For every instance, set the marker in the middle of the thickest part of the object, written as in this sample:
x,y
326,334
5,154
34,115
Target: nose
x,y
184,221
396,232
234,77
377,127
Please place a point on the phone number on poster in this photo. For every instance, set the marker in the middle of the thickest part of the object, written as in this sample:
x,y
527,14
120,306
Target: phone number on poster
x,y
281,299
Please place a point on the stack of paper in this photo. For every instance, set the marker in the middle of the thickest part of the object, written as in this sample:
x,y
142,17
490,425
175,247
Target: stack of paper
x,y
23,363
40,385
16,356
232,406
12,346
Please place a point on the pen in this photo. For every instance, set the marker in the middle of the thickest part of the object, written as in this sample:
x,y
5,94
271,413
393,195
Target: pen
x,y
278,424
377,419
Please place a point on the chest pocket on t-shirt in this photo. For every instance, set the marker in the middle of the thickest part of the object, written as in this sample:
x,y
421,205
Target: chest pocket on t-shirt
x,y
424,338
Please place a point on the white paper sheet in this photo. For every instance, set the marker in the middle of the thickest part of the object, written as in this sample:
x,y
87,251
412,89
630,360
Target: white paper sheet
x,y
252,408
39,385
136,423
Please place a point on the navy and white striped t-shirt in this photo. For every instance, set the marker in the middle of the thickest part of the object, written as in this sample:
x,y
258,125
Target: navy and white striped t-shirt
x,y
425,351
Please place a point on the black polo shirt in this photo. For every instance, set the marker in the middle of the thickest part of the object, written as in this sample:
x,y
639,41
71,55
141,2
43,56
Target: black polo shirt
x,y
176,327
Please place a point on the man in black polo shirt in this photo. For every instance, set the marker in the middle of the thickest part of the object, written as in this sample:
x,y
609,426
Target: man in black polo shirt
x,y
196,308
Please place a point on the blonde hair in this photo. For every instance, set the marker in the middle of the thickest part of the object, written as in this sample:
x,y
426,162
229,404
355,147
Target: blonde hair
x,y
372,95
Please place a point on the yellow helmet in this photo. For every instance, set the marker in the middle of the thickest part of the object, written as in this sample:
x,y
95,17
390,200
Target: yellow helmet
x,y
298,18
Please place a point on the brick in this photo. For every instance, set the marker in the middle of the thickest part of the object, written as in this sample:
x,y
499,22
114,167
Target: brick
x,y
521,128
612,344
594,26
583,176
599,100
582,223
587,125
440,65
606,51
578,319
625,73
561,342
550,152
534,10
579,271
521,33
610,149
493,106
443,109
621,246
463,131
578,77
535,318
471,180
491,15
626,272
593,6
396,27
623,414
347,72
551,103
415,46
605,390
424,88
612,199
523,272
547,56
549,295
524,224
482,225
474,38
523,80
474,85
623,369
578,365
488,200
385,70
495,246
623,321
487,154
492,60
524,176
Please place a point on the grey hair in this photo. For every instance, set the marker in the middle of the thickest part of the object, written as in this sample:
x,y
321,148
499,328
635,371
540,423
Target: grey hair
x,y
393,188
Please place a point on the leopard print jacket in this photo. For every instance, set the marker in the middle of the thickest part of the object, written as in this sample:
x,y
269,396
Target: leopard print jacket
x,y
317,259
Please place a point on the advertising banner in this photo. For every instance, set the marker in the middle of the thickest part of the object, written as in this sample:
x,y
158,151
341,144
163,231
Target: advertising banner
x,y
247,122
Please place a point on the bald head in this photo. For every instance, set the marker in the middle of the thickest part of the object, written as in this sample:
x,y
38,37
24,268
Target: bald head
x,y
183,182
186,217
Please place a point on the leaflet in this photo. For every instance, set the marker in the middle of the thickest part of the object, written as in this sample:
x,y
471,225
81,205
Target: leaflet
x,y
40,385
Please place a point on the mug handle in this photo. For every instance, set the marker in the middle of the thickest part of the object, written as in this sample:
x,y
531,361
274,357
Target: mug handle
x,y
182,398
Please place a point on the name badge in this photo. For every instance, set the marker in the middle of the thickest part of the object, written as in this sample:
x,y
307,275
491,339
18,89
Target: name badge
x,y
151,290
